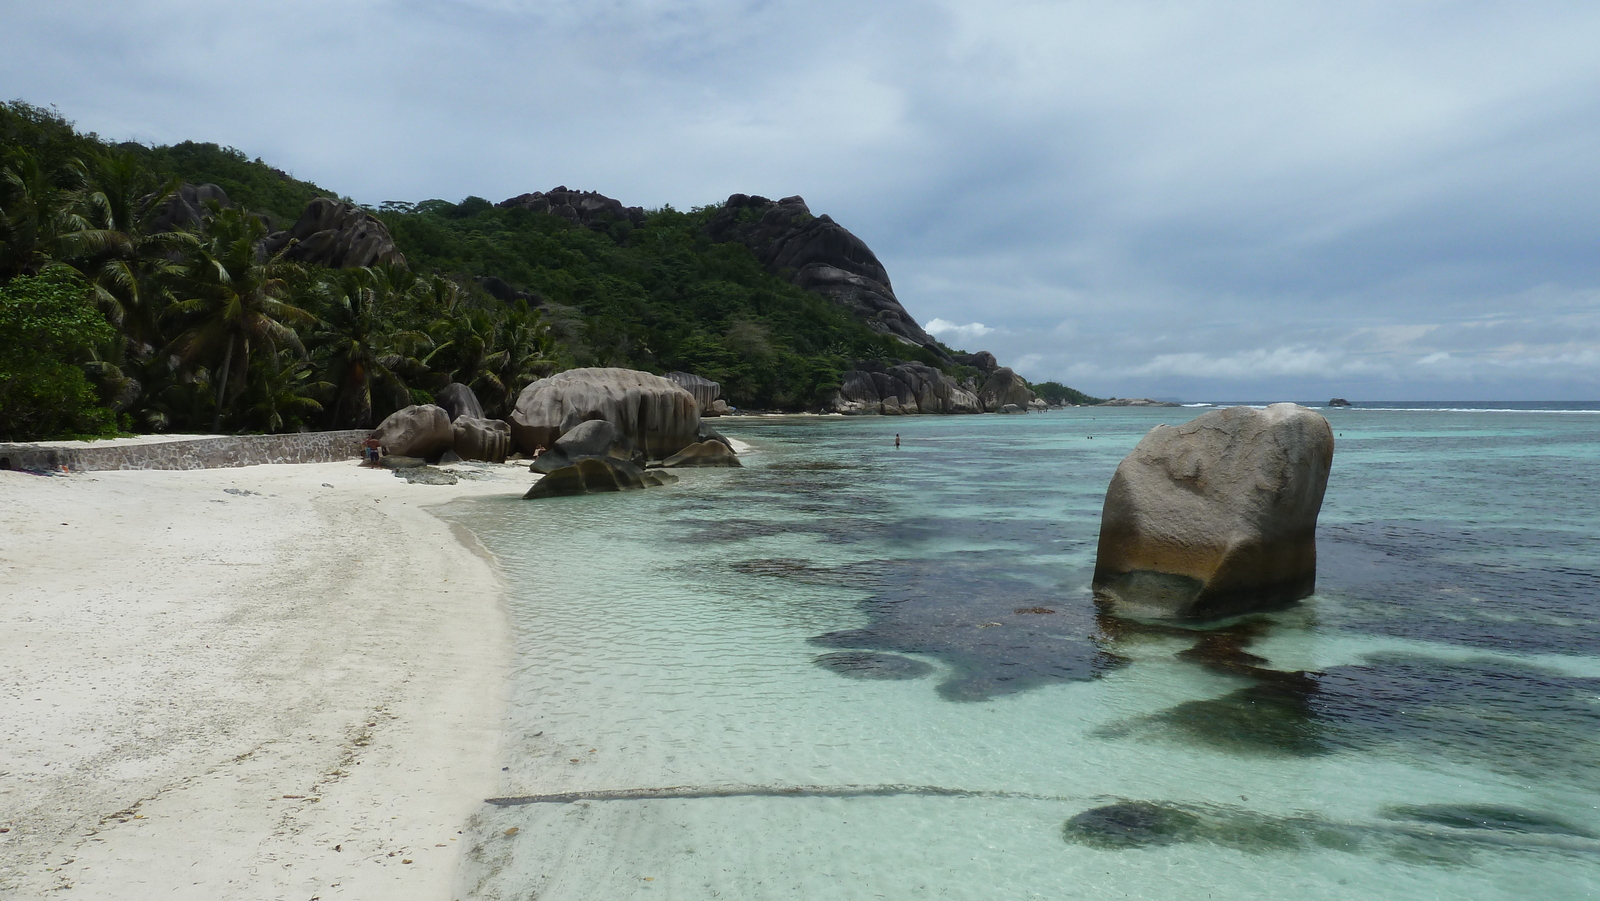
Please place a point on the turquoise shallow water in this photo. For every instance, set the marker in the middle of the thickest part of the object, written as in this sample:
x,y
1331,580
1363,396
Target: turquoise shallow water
x,y
879,675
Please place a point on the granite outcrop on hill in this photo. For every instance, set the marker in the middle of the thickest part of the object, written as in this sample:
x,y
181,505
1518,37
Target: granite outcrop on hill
x,y
584,208
189,207
821,256
335,234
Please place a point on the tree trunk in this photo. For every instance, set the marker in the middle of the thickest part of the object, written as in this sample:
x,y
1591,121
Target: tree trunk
x,y
222,385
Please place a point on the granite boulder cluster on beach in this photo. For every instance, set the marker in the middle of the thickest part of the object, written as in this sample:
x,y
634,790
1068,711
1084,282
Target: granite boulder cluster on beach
x,y
584,430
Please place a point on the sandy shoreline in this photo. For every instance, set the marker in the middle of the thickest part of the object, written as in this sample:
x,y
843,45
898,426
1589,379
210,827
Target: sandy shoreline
x,y
264,682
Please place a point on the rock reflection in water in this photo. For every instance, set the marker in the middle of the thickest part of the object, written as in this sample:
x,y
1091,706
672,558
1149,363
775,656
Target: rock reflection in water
x,y
1435,835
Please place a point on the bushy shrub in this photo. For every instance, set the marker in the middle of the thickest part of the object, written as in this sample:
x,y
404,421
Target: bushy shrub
x,y
50,328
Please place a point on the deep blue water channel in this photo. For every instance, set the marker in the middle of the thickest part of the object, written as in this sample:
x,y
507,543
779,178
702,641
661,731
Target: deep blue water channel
x,y
845,671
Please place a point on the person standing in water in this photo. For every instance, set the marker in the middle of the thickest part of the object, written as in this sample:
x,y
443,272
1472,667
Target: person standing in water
x,y
897,441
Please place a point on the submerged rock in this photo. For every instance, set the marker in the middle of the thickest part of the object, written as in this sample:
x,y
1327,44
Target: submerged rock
x,y
1131,824
595,474
416,431
1216,517
870,665
656,416
706,453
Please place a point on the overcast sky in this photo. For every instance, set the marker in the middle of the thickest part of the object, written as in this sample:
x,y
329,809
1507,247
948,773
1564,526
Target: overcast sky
x,y
1211,201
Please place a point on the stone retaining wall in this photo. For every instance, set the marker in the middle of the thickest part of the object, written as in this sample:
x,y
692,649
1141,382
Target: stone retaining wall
x,y
209,452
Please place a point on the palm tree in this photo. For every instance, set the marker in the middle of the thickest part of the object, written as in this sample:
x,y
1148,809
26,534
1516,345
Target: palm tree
x,y
231,301
35,213
355,342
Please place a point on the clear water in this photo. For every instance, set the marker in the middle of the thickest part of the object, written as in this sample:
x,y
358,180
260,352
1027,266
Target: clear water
x,y
879,674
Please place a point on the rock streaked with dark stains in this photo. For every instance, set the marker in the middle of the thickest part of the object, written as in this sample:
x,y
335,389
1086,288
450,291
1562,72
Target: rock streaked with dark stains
x,y
705,391
593,438
1004,388
873,388
655,415
458,400
481,439
336,234
821,256
1216,517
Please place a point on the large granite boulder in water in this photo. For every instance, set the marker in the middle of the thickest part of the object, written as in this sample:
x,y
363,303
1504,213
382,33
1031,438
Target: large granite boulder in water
x,y
458,401
336,234
1004,387
416,431
1217,516
656,416
593,474
593,438
477,438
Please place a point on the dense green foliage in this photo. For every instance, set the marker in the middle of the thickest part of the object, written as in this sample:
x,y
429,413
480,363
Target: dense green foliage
x,y
50,326
199,329
1057,393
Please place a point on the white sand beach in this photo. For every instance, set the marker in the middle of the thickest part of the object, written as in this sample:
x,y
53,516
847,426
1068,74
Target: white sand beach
x,y
262,682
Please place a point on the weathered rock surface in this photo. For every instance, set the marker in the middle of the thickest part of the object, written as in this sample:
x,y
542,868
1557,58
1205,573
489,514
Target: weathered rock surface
x,y
1136,402
584,208
655,415
1012,408
458,400
1004,387
1338,402
477,438
401,461
593,474
819,255
190,207
873,388
719,407
983,361
426,475
1216,517
706,453
335,234
416,431
594,438
705,391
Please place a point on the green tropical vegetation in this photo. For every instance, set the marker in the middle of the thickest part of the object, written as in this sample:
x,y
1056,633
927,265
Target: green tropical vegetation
x,y
114,319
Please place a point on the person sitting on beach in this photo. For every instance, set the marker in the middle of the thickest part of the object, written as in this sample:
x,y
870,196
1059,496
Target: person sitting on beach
x,y
537,451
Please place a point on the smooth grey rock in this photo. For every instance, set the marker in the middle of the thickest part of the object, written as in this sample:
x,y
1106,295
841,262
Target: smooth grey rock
x,y
706,453
1012,408
704,390
189,207
983,361
481,439
416,431
655,415
1338,402
873,388
1004,387
1216,517
596,474
458,400
335,234
594,438
719,407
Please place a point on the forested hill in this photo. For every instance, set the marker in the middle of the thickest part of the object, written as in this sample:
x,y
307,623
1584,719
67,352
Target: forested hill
x,y
254,308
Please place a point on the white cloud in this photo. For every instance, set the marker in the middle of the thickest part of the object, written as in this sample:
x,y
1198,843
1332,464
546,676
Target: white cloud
x,y
950,331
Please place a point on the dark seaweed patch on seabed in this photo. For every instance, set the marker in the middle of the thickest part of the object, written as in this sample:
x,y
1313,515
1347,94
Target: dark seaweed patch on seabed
x,y
1483,587
1520,720
982,622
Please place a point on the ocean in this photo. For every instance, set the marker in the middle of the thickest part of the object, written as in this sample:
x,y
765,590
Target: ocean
x,y
845,671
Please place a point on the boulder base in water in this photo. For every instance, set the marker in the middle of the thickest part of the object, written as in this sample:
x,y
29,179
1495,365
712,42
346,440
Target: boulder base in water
x,y
593,474
416,431
710,452
657,416
594,438
1217,516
